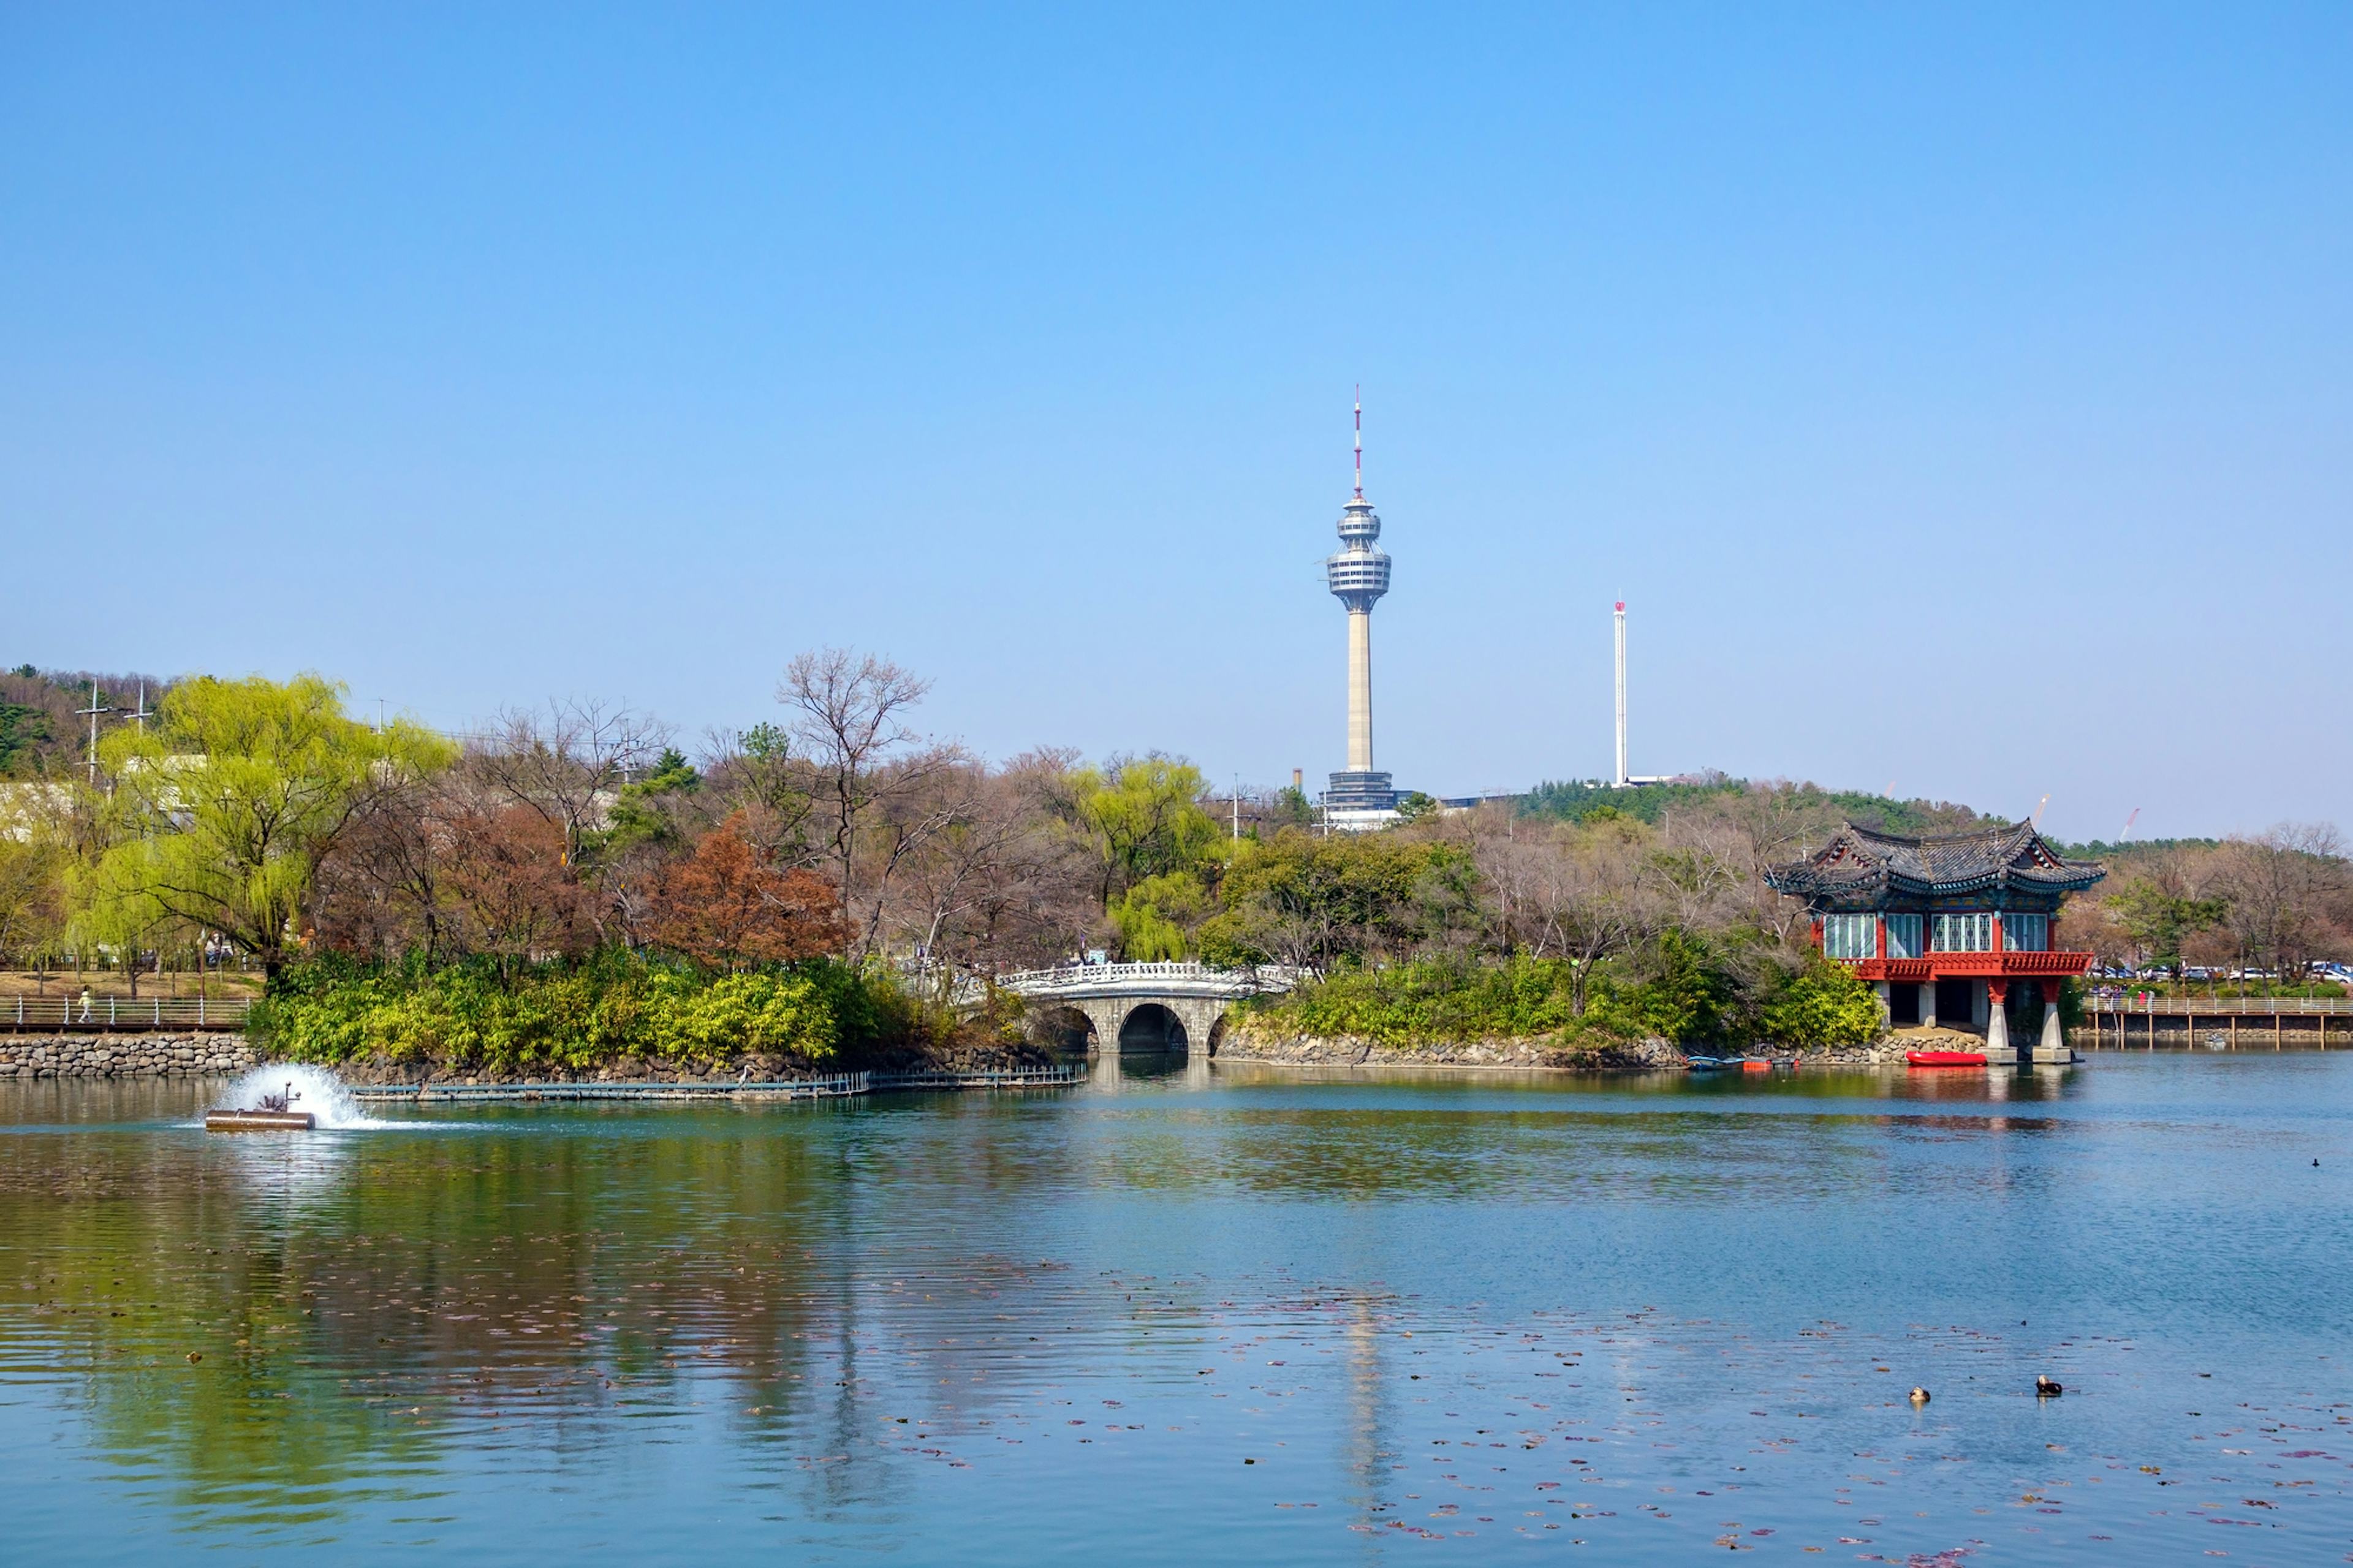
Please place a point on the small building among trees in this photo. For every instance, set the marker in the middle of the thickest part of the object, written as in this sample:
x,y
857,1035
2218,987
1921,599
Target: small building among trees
x,y
1959,931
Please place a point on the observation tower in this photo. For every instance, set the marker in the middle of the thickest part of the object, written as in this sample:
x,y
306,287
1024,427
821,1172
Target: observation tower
x,y
1358,574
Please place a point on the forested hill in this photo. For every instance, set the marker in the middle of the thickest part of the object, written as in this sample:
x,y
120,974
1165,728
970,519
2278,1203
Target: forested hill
x,y
1575,800
41,733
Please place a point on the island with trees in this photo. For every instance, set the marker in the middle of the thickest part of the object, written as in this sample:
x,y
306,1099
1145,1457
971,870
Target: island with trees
x,y
570,891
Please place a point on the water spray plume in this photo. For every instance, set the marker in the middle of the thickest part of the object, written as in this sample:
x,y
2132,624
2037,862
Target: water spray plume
x,y
313,1089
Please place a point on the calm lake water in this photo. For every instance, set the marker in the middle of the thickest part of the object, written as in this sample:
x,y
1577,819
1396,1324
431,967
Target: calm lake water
x,y
1273,1319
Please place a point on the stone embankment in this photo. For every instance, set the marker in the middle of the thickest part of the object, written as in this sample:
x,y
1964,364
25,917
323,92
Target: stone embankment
x,y
1345,1050
1643,1056
123,1056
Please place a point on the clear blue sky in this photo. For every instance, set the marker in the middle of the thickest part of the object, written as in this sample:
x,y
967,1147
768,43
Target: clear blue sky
x,y
1961,398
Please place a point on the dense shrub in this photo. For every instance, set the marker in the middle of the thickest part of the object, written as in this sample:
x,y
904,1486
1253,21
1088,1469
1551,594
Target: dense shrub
x,y
1676,988
575,1015
1434,1000
1823,1005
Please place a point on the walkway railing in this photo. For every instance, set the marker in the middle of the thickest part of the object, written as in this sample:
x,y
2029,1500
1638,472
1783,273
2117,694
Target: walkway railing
x,y
987,1078
2137,1003
122,1015
832,1085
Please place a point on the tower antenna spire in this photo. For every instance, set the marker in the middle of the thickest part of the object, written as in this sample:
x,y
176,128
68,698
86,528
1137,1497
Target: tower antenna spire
x,y
1360,440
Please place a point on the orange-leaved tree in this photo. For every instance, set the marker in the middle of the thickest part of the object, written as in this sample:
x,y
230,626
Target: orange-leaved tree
x,y
726,905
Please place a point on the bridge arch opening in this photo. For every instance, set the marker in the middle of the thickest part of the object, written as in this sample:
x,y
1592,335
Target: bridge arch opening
x,y
1151,1030
1065,1031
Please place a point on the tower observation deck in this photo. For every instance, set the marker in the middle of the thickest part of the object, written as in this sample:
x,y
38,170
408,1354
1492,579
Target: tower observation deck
x,y
1358,574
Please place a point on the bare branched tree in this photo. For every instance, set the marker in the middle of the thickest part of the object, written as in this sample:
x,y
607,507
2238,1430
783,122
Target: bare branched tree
x,y
566,761
974,867
849,715
2287,889
1588,898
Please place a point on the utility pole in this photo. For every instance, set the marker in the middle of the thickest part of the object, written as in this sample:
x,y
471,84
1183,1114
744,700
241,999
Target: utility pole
x,y
139,715
93,711
1238,808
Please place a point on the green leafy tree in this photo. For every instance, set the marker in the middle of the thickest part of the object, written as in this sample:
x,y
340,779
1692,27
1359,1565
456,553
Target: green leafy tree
x,y
1145,819
221,812
1158,916
2158,920
1313,900
647,811
23,732
32,893
116,911
1414,805
1682,992
1821,1005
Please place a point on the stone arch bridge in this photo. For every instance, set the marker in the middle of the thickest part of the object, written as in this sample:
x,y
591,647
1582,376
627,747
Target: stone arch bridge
x,y
1146,1007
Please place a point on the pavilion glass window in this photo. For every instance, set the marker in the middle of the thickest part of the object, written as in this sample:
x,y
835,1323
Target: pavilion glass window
x,y
1963,932
2026,934
1903,936
1850,936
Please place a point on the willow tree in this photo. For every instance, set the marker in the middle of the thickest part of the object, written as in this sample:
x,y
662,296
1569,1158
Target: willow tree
x,y
1144,819
220,815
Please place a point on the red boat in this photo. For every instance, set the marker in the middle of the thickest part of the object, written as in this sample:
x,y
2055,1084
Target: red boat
x,y
1946,1058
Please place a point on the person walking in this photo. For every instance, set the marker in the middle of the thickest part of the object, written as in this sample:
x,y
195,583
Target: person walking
x,y
85,1004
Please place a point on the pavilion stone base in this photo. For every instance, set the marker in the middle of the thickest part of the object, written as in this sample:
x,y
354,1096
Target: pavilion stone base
x,y
2051,1048
1999,1051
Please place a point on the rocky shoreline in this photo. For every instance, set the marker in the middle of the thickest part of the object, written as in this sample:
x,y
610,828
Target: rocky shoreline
x,y
1346,1050
1639,1057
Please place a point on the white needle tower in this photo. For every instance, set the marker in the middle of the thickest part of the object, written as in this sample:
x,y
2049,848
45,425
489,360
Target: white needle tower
x,y
1358,574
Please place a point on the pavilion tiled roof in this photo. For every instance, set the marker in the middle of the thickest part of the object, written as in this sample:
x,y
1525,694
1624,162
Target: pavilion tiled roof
x,y
1858,861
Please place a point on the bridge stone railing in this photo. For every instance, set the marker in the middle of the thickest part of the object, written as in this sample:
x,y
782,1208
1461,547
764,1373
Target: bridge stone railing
x,y
1164,979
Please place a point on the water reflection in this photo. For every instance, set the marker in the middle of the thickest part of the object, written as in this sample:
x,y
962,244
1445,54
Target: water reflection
x,y
849,1328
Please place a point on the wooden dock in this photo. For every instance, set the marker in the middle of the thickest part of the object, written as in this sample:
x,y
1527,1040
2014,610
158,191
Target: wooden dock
x,y
2248,1024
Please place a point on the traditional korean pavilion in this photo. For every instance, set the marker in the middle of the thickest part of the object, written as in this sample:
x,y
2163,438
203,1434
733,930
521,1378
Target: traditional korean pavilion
x,y
1942,927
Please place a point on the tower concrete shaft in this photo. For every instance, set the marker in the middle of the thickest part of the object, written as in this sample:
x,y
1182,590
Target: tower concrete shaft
x,y
1360,691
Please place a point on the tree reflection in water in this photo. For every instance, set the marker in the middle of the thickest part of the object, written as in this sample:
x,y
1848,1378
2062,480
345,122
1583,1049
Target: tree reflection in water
x,y
824,1314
